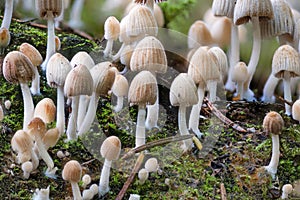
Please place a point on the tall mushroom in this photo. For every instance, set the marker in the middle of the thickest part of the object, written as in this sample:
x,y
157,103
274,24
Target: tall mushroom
x,y
183,93
72,172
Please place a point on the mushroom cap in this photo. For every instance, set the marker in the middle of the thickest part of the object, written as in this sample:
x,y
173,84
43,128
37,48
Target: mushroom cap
x,y
94,187
282,24
17,68
223,7
239,72
149,54
86,179
143,89
151,165
286,58
7,104
4,37
220,59
32,53
287,188
143,174
111,148
159,16
246,9
221,31
111,28
103,77
48,9
51,137
57,43
296,110
83,58
199,35
126,55
21,141
296,35
37,128
27,167
273,123
120,86
46,110
79,81
72,171
183,91
58,68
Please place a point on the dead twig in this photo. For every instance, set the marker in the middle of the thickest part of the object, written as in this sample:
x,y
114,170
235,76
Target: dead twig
x,y
284,101
129,180
223,192
222,117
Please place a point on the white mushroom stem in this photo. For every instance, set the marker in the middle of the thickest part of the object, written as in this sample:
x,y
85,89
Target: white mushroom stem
x,y
118,107
35,84
287,92
116,57
212,89
140,127
183,127
90,115
44,154
34,159
234,55
82,108
9,6
76,191
75,15
194,116
240,90
50,40
28,105
104,178
152,115
272,167
71,129
248,94
108,49
60,112
269,89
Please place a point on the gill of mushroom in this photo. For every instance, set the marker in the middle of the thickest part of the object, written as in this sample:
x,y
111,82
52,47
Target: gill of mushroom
x,y
183,93
78,82
142,91
72,172
110,151
285,65
103,78
111,33
149,54
49,10
58,68
254,10
17,68
36,58
273,124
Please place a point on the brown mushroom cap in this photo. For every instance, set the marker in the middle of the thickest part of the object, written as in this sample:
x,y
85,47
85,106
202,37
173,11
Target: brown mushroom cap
x,y
199,35
223,7
46,7
143,89
111,148
72,171
17,68
273,123
4,37
21,141
37,128
32,53
51,137
46,110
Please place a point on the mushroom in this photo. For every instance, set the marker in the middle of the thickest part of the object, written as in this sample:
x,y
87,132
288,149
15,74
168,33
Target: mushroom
x,y
149,3
7,104
221,32
17,68
239,74
72,172
49,10
296,110
285,65
75,15
110,150
42,194
134,197
37,129
142,91
286,190
151,165
86,179
46,110
120,89
87,194
36,59
143,175
57,71
273,124
4,39
183,93
111,33
27,168
199,35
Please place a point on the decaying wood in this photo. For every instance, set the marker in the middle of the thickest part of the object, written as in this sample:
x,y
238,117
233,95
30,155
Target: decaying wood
x,y
223,192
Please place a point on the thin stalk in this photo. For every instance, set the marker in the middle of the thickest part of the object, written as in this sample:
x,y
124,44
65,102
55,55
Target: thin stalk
x,y
152,114
287,92
104,178
71,130
269,89
28,105
60,114
50,40
183,128
82,108
76,191
9,6
108,49
118,107
35,84
272,167
140,137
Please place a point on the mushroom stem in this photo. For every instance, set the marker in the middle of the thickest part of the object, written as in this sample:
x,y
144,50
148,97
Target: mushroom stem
x,y
212,88
248,94
194,116
108,49
28,105
76,191
140,127
71,130
287,92
75,15
34,159
118,107
44,154
60,115
152,114
240,90
272,167
116,57
9,6
35,84
104,178
82,109
50,40
183,127
269,88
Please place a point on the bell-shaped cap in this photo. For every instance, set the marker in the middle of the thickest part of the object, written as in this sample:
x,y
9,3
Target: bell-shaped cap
x,y
220,59
120,86
51,137
111,148
32,53
83,58
72,171
273,123
239,72
46,110
37,128
21,141
221,31
111,28
199,35
49,8
223,7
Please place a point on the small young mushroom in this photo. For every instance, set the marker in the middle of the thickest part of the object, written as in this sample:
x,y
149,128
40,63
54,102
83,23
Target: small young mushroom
x,y
111,33
86,179
199,35
72,172
120,89
239,75
7,104
46,110
27,168
151,165
273,124
87,194
286,190
143,175
296,110
110,150
4,39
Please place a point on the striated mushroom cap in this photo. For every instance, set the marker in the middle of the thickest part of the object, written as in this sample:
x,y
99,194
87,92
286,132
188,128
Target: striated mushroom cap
x,y
79,81
183,91
126,55
199,35
111,148
111,28
223,7
149,54
83,58
239,72
21,141
120,86
32,53
17,68
286,58
72,171
37,128
49,8
219,57
273,123
58,68
46,110
246,9
143,89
